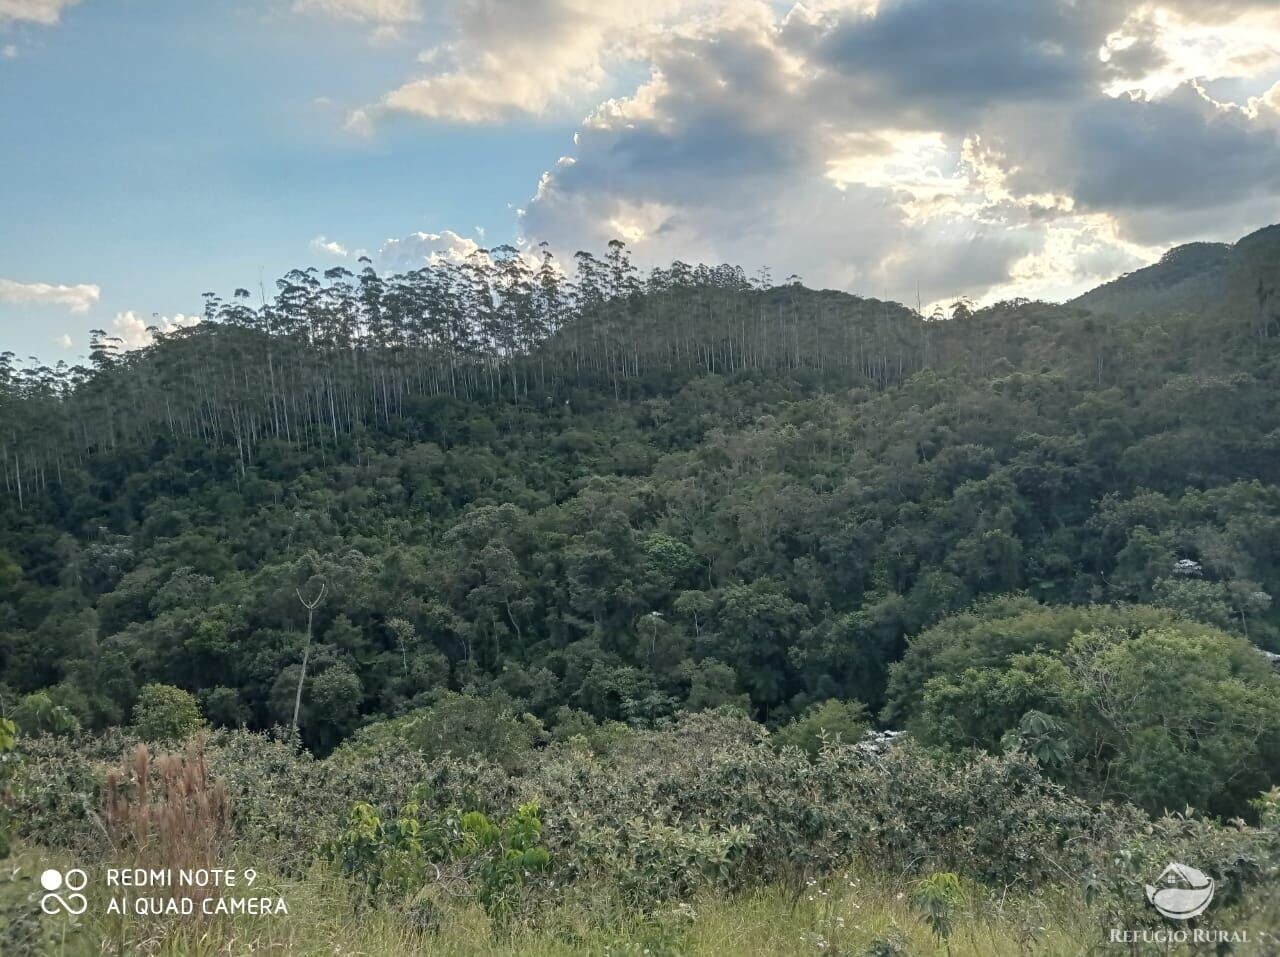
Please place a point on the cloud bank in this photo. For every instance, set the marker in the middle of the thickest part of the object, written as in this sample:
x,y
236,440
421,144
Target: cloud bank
x,y
910,148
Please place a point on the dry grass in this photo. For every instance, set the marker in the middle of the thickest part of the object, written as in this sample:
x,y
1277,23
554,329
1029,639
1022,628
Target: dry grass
x,y
167,812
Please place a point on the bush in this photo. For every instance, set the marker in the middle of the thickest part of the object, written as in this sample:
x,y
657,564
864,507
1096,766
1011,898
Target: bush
x,y
8,764
166,713
1244,863
38,713
938,897
832,722
457,724
462,851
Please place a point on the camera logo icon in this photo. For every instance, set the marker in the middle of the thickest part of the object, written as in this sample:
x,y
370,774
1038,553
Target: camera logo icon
x,y
54,881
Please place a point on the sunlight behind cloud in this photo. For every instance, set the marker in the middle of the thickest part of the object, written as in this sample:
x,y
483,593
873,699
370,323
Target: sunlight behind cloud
x,y
1179,48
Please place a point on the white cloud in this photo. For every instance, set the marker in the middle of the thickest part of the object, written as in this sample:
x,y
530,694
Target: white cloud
x,y
77,298
384,12
329,247
512,57
422,248
134,332
64,341
43,12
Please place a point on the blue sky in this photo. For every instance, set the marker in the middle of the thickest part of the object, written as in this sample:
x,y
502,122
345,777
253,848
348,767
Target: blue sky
x,y
154,150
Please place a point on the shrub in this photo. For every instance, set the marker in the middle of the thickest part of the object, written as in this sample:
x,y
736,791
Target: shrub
x,y
705,802
166,713
651,862
1244,863
8,765
462,851
457,724
38,713
1164,714
834,722
938,897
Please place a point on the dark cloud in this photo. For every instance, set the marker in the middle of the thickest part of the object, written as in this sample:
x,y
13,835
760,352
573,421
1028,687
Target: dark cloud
x,y
945,61
1123,154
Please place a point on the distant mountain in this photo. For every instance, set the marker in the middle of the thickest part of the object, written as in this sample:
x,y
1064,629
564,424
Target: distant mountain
x,y
1240,278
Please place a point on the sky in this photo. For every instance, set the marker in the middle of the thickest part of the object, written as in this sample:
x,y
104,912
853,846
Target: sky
x,y
918,150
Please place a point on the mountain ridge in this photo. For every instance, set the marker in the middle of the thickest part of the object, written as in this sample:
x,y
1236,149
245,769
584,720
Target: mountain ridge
x,y
1196,277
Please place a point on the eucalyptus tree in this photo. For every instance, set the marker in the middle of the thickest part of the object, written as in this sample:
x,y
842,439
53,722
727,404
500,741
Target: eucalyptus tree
x,y
332,352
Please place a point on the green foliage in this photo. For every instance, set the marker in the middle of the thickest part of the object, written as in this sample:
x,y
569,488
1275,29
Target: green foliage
x,y
938,897
654,862
8,772
38,713
415,849
166,713
380,855
620,498
1177,720
224,707
1115,704
641,513
666,823
456,724
991,633
706,801
830,723
1241,860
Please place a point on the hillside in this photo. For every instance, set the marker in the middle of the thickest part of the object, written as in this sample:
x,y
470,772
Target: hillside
x,y
585,557
1198,279
687,491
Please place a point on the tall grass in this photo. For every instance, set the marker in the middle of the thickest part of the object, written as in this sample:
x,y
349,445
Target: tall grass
x,y
852,915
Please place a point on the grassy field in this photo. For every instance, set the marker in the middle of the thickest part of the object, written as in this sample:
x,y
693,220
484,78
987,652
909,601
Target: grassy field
x,y
850,915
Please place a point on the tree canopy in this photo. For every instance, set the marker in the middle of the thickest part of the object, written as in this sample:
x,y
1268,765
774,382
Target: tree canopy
x,y
608,498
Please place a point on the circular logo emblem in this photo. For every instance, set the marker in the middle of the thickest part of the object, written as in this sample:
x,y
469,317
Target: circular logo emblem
x,y
73,881
1181,892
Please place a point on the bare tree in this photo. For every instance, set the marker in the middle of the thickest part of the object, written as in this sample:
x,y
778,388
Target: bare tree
x,y
311,607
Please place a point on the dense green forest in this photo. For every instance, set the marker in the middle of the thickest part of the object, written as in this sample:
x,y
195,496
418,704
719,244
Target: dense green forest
x,y
612,497
487,540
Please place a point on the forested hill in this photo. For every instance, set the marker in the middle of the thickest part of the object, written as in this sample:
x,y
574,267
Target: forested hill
x,y
1198,278
613,497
